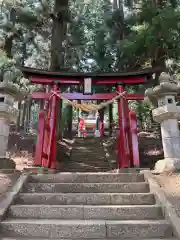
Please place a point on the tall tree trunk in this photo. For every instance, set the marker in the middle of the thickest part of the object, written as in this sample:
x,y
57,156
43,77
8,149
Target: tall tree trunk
x,y
9,39
70,117
19,115
59,29
24,113
28,116
101,115
118,6
79,102
158,59
59,117
115,4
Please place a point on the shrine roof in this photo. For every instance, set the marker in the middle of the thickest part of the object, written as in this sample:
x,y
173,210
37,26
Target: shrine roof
x,y
28,72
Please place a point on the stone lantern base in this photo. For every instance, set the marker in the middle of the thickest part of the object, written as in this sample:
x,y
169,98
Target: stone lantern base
x,y
168,165
8,114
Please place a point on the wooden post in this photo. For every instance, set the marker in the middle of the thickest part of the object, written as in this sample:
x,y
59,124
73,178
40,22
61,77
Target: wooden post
x,y
134,137
51,151
127,134
121,155
40,140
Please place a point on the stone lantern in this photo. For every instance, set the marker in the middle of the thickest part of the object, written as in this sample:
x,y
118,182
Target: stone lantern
x,y
8,114
167,114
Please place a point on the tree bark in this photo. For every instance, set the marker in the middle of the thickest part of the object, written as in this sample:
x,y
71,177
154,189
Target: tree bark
x,y
118,6
59,29
28,115
101,115
19,115
70,118
9,39
24,113
59,117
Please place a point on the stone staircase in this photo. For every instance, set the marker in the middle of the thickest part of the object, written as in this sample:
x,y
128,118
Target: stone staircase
x,y
87,155
94,206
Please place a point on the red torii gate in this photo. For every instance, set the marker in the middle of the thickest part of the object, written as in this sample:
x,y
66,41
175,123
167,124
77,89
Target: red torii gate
x,y
127,143
80,96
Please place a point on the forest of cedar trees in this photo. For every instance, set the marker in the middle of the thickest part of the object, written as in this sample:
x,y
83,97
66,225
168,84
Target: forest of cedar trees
x,y
88,35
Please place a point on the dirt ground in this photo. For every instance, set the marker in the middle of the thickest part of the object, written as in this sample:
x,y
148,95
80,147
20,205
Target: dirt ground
x,y
22,160
171,186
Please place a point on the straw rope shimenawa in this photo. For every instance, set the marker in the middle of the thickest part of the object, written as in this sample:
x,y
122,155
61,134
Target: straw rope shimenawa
x,y
89,107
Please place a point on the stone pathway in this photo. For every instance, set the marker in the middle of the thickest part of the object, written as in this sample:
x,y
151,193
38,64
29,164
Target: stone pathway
x,y
86,206
171,186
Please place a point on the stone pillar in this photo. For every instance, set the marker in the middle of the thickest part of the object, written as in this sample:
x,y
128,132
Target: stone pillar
x,y
4,134
166,113
8,114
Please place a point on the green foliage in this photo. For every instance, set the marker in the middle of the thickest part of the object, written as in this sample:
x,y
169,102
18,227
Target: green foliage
x,y
5,62
156,32
101,36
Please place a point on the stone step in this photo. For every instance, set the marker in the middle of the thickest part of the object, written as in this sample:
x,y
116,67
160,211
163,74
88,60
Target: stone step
x,y
85,169
90,160
131,170
88,151
87,187
76,229
86,159
86,198
87,141
88,144
96,162
22,238
96,159
77,167
88,212
88,154
75,164
87,163
87,178
88,148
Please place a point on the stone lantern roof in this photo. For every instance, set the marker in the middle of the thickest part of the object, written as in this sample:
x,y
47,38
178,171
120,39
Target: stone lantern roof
x,y
167,86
